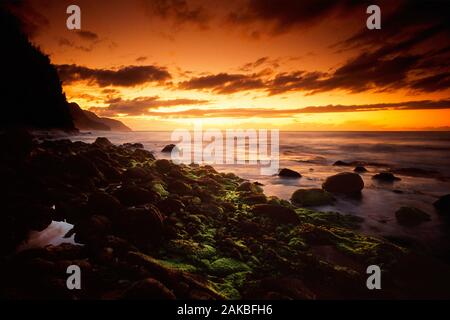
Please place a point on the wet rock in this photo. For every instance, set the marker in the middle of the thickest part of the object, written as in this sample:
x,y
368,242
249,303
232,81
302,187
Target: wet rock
x,y
344,182
81,166
143,225
163,165
250,227
225,266
133,145
133,195
180,188
255,199
170,205
210,209
104,203
168,148
288,173
443,204
72,209
120,246
148,289
341,163
143,155
109,171
277,213
385,177
136,173
249,187
211,184
97,154
103,142
360,169
92,229
312,197
410,216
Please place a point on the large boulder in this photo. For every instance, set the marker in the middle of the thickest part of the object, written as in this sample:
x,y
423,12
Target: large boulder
x,y
102,142
277,213
410,216
249,187
180,188
360,169
288,173
92,229
169,148
143,225
136,173
385,177
163,165
104,203
443,204
133,195
254,199
170,205
312,197
344,182
143,155
81,166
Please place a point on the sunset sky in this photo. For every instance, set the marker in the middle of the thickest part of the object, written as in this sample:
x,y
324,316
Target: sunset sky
x,y
287,64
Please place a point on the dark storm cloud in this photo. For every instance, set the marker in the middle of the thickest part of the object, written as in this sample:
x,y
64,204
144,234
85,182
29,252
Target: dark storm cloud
x,y
128,76
32,21
141,105
261,62
178,11
64,42
224,83
286,113
141,59
87,35
283,15
403,21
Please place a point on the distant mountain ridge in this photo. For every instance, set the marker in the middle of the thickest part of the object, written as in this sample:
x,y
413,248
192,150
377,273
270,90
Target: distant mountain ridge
x,y
88,120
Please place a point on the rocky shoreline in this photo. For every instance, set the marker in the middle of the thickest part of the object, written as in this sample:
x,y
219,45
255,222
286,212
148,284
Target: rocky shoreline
x,y
150,229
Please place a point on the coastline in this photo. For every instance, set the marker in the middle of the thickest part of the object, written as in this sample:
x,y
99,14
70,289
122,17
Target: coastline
x,y
153,229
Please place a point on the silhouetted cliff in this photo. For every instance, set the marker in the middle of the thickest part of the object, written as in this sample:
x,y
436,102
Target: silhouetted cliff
x,y
31,93
87,120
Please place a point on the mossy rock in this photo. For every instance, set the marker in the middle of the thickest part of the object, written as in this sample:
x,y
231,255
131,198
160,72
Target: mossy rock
x,y
226,266
231,285
410,216
249,187
330,218
297,244
191,249
159,189
255,199
312,197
